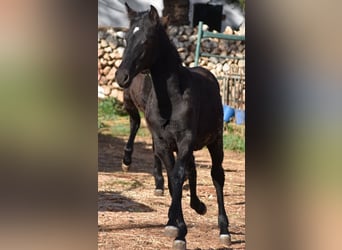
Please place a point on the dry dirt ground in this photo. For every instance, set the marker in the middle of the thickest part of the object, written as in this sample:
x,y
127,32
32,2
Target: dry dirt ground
x,y
130,216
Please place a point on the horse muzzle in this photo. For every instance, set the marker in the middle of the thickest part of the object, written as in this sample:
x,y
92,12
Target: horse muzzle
x,y
123,78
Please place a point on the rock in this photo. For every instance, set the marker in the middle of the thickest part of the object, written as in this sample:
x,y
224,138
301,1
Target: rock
x,y
117,63
111,62
173,31
112,55
241,63
106,90
219,67
225,67
100,92
181,30
118,94
192,38
189,59
103,80
213,59
181,49
104,43
211,65
188,30
100,52
216,51
223,53
103,61
182,55
205,27
120,51
108,49
112,41
106,57
114,45
111,75
121,34
238,54
115,85
228,31
114,93
183,38
101,34
106,70
191,47
111,32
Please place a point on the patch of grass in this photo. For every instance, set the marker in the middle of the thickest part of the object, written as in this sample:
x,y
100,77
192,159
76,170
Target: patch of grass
x,y
234,142
234,138
109,109
120,129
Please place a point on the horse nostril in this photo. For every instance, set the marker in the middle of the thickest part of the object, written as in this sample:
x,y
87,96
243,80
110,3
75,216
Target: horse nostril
x,y
126,78
123,77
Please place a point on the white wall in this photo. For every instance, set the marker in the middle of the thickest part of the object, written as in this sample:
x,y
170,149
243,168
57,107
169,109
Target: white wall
x,y
113,12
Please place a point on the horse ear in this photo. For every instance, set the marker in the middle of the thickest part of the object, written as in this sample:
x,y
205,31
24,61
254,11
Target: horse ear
x,y
130,12
153,14
165,21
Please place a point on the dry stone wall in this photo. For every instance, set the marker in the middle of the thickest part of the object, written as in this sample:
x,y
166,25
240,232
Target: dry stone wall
x,y
111,45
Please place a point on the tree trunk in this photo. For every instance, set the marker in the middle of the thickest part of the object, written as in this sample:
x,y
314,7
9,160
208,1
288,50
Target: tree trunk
x,y
177,10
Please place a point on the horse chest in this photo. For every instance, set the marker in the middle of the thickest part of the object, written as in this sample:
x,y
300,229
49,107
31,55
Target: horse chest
x,y
168,130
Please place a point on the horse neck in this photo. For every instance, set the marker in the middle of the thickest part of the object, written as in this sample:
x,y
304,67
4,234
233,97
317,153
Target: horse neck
x,y
165,74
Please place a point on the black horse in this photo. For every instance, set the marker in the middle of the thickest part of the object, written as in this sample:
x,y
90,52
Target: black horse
x,y
135,99
184,113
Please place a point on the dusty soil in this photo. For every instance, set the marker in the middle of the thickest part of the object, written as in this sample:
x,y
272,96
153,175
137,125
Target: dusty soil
x,y
130,216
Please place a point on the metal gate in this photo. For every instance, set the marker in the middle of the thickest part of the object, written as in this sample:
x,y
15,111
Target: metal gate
x,y
233,83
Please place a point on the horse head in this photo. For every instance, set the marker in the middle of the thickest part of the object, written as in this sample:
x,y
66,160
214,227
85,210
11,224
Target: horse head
x,y
141,38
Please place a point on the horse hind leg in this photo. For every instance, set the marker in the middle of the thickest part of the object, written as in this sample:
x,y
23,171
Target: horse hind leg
x,y
218,178
134,120
195,202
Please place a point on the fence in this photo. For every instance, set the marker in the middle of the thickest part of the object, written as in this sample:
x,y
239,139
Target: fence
x,y
232,84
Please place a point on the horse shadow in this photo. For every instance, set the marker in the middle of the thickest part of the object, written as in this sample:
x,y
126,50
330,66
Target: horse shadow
x,y
111,152
109,201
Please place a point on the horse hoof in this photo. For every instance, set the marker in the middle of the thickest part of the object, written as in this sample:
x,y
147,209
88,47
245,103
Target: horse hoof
x,y
225,239
200,208
158,192
179,245
171,231
125,167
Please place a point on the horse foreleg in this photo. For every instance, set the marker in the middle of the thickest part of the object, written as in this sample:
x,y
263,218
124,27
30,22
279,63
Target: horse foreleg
x,y
176,226
134,120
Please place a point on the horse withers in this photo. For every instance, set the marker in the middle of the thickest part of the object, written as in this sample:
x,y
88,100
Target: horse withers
x,y
184,113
